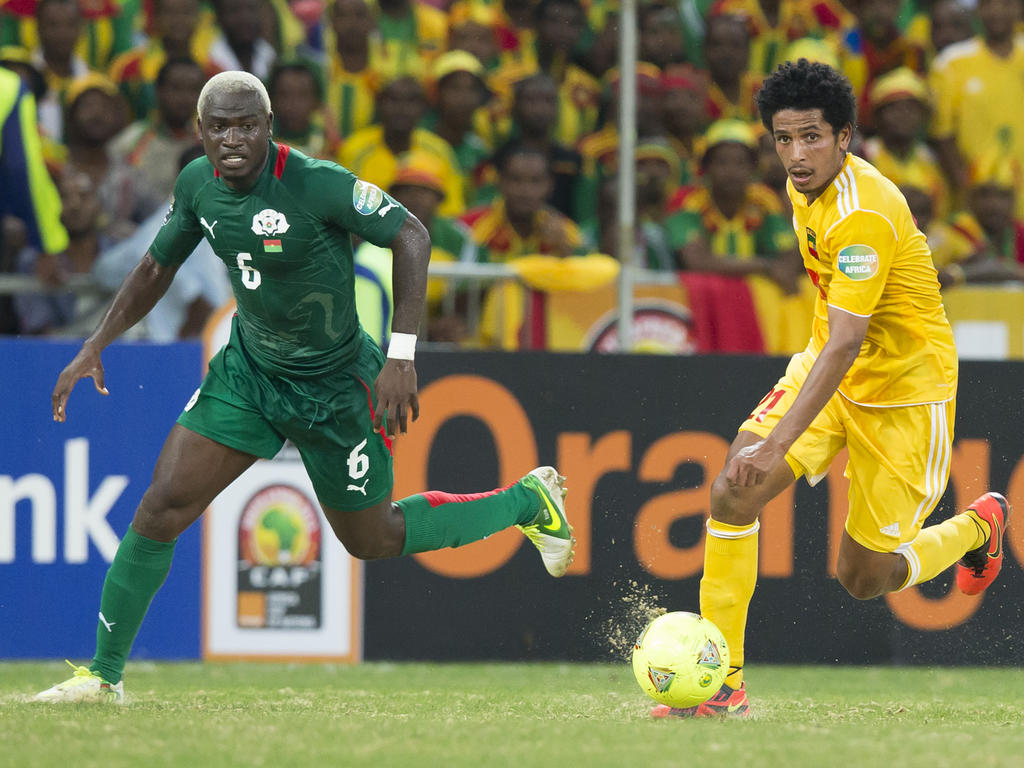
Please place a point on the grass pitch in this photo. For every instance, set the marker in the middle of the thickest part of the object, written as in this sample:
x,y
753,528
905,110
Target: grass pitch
x,y
523,715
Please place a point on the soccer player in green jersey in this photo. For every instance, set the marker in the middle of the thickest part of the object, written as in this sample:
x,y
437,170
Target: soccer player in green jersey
x,y
298,366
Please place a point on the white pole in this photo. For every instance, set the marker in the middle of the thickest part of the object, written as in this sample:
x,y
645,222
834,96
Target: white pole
x,y
627,169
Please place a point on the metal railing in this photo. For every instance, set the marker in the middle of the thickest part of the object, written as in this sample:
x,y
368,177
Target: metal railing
x,y
473,279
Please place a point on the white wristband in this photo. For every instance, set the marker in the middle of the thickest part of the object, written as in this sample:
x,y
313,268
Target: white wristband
x,y
402,346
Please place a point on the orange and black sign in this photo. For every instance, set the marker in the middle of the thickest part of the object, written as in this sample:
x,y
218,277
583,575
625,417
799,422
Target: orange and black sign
x,y
640,440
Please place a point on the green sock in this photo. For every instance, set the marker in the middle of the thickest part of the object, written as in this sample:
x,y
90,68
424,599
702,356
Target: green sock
x,y
139,569
436,519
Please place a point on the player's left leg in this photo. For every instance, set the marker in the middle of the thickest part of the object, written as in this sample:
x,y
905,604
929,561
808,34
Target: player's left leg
x,y
899,467
436,519
350,466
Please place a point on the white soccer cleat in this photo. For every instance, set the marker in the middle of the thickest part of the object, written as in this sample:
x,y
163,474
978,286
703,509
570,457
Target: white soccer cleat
x,y
83,686
550,532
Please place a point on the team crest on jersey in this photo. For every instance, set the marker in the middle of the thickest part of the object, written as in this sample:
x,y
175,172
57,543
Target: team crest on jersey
x,y
366,197
858,262
812,245
269,222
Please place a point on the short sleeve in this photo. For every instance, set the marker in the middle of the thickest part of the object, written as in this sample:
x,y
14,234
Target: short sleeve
x,y
862,246
357,206
181,231
684,227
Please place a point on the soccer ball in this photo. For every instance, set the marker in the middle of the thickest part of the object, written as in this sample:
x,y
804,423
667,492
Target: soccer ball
x,y
680,659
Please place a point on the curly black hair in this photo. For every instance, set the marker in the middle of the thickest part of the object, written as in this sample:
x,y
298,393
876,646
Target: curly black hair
x,y
808,85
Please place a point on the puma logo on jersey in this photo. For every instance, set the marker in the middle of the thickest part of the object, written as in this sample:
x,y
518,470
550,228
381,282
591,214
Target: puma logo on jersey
x,y
210,227
391,204
360,488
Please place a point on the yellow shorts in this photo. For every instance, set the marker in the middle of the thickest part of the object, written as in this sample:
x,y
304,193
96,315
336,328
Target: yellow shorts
x,y
899,456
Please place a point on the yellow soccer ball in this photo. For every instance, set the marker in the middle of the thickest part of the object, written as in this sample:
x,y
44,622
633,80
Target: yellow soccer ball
x,y
680,659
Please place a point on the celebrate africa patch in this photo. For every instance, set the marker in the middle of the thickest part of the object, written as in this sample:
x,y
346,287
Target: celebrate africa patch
x,y
858,262
366,197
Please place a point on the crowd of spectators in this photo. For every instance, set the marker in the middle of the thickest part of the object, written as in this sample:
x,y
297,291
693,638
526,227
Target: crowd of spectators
x,y
495,121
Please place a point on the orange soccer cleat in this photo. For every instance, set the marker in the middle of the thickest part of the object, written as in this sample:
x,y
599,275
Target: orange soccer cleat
x,y
979,567
728,702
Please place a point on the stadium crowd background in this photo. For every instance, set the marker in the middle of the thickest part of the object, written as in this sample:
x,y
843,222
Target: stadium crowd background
x,y
495,122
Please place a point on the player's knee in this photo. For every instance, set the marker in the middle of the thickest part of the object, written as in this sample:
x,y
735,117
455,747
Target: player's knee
x,y
732,504
365,549
164,513
861,584
368,536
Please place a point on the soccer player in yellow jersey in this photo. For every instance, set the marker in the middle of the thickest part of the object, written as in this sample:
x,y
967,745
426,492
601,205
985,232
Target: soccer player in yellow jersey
x,y
878,377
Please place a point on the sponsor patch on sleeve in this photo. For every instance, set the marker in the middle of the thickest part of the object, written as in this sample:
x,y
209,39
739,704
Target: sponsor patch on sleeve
x,y
858,262
366,197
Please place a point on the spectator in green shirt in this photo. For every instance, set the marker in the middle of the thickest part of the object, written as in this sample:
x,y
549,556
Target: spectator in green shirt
x,y
732,224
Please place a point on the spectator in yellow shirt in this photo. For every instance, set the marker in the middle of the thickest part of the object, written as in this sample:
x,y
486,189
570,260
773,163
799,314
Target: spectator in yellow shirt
x,y
458,90
989,227
472,27
560,26
949,21
353,66
374,152
978,90
684,115
901,107
873,46
60,26
730,224
174,36
413,34
520,222
727,53
949,249
297,93
661,35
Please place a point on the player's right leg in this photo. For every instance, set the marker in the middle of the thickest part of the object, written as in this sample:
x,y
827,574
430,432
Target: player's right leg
x,y
189,473
730,550
220,433
730,572
351,469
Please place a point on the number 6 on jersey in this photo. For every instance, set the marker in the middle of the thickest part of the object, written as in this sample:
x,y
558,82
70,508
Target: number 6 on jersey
x,y
250,275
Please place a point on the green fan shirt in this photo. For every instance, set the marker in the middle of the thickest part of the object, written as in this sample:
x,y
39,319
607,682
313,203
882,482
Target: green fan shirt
x,y
288,249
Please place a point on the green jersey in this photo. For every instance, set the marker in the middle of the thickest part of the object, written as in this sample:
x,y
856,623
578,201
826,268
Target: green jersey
x,y
287,246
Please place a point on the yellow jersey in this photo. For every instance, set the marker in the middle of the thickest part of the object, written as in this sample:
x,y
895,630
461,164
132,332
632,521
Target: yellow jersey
x,y
368,157
977,97
864,253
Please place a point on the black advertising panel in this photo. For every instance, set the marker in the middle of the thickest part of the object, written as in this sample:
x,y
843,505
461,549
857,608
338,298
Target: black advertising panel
x,y
640,439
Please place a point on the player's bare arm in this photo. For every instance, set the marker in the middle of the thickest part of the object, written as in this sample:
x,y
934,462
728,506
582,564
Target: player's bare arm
x,y
396,383
752,464
141,290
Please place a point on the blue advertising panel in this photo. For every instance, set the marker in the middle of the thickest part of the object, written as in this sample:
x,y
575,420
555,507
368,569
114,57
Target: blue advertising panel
x,y
68,492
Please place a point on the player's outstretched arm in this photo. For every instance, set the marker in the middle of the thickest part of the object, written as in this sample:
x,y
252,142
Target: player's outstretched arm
x,y
846,332
139,292
396,383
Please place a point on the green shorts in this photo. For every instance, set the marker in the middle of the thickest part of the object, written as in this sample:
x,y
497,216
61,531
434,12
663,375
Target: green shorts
x,y
329,418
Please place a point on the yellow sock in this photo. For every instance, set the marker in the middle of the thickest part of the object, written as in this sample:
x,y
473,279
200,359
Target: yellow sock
x,y
730,572
939,546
